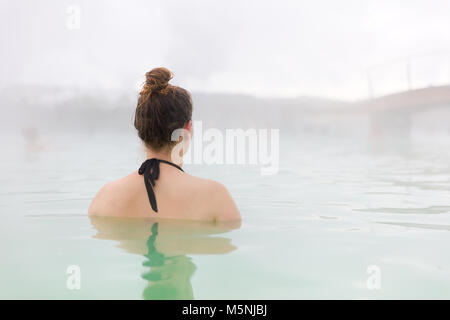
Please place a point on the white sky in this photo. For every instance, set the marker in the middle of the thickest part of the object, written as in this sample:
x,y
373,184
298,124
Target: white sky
x,y
263,48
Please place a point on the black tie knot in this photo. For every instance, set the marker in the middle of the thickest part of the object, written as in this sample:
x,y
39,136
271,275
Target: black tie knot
x,y
150,170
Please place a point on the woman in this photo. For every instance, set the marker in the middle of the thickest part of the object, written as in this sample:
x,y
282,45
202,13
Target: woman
x,y
160,188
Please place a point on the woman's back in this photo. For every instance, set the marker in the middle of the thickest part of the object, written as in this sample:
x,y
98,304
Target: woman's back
x,y
178,195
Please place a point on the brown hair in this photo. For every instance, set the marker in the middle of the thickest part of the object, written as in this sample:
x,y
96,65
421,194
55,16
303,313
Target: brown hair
x,y
161,109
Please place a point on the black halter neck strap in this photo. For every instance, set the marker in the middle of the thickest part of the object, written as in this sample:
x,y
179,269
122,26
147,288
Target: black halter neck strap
x,y
150,170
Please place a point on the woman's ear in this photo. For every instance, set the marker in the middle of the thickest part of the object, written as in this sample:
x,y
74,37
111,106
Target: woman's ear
x,y
188,126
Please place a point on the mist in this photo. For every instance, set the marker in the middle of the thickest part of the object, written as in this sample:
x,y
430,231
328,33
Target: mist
x,y
327,122
261,48
306,67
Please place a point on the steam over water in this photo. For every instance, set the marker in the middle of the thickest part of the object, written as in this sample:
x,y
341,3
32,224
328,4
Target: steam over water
x,y
344,199
359,92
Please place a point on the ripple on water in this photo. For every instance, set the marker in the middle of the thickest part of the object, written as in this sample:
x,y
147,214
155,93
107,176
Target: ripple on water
x,y
419,225
56,215
426,210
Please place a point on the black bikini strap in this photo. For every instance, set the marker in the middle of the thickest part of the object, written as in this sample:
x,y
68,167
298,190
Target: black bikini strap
x,y
150,170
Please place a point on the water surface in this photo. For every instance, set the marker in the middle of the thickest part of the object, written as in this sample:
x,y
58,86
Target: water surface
x,y
336,207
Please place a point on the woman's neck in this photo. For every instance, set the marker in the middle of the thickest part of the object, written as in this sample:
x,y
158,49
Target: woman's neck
x,y
163,154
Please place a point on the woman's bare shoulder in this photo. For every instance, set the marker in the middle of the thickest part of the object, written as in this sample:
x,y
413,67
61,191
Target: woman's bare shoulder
x,y
113,197
202,195
220,204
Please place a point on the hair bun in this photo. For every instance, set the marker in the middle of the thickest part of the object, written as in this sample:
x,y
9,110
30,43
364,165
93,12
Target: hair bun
x,y
157,80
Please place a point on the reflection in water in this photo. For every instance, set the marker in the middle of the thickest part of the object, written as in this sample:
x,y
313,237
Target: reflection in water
x,y
166,246
168,277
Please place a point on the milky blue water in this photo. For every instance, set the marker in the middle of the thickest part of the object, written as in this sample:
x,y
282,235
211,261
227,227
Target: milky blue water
x,y
336,207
